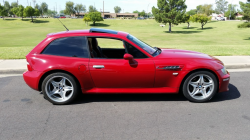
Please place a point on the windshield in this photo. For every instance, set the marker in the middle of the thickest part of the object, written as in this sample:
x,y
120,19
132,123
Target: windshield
x,y
141,44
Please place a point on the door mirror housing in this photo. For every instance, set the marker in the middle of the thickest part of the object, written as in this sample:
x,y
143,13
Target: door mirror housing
x,y
128,56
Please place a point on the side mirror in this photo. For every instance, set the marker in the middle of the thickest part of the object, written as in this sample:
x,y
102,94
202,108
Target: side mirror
x,y
128,56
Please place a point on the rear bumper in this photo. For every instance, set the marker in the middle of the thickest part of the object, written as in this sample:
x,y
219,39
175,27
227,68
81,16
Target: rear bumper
x,y
32,78
224,83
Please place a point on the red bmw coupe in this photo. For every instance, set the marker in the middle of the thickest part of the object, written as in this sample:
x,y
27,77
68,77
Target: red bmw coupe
x,y
68,63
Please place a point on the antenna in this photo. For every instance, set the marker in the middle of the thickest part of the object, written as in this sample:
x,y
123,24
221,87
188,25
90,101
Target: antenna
x,y
64,25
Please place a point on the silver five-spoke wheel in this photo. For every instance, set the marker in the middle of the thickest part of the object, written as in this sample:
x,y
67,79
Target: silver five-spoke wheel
x,y
59,88
200,86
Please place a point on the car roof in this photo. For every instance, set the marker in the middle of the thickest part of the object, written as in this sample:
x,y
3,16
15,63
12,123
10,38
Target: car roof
x,y
91,31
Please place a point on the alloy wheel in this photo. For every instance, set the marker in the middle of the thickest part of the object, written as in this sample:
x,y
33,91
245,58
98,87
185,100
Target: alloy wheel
x,y
200,86
59,88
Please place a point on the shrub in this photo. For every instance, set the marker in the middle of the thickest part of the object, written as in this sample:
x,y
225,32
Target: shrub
x,y
239,18
244,25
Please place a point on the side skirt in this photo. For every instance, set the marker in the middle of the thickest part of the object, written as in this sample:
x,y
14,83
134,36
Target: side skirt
x,y
132,91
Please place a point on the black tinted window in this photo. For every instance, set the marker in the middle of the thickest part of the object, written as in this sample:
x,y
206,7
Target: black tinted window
x,y
69,46
134,52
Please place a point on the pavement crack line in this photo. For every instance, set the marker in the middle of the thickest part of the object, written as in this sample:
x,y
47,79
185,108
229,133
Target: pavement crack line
x,y
46,121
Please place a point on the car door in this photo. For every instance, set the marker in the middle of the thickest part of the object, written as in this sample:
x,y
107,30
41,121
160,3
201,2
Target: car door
x,y
121,73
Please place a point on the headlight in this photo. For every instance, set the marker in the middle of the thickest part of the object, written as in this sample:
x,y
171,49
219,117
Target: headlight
x,y
224,70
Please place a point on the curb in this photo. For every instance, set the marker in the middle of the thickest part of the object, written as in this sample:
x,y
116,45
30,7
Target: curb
x,y
239,66
21,71
15,71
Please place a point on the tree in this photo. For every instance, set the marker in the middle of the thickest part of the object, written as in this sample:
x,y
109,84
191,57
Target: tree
x,y
44,7
20,11
205,9
86,19
201,18
221,6
187,19
3,11
14,10
169,11
14,4
79,8
69,9
230,14
30,12
92,9
136,11
37,6
142,13
192,12
7,7
51,13
245,7
61,12
117,9
95,16
199,9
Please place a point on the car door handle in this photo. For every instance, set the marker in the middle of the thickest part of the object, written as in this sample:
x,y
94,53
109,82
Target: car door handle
x,y
98,66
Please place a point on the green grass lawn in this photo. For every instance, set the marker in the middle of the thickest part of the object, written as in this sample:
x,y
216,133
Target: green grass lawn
x,y
18,37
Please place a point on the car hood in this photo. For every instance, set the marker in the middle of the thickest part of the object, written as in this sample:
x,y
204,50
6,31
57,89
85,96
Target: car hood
x,y
185,54
175,53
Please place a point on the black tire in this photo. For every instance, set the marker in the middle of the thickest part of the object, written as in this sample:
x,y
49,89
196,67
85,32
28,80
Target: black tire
x,y
197,99
47,84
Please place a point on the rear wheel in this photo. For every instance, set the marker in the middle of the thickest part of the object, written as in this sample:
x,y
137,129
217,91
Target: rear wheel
x,y
200,86
60,88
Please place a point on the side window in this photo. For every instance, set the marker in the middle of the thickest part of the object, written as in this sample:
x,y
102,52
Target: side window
x,y
135,52
68,46
106,48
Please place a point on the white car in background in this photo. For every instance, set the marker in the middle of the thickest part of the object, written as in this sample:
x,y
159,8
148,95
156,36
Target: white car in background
x,y
220,18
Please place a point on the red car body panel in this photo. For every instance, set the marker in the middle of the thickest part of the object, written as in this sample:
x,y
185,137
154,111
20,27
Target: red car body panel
x,y
120,75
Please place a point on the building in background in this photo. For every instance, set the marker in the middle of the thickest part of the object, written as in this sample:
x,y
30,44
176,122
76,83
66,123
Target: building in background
x,y
112,15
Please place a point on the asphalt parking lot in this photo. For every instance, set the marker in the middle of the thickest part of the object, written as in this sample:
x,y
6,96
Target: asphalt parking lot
x,y
25,114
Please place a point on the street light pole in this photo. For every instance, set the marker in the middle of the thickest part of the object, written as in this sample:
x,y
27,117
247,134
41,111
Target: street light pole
x,y
231,9
41,7
147,10
103,10
56,8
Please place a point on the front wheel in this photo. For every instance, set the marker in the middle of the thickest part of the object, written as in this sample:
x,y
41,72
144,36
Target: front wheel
x,y
60,88
200,86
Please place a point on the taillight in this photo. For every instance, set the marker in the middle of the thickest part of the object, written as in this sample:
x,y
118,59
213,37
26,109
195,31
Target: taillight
x,y
29,67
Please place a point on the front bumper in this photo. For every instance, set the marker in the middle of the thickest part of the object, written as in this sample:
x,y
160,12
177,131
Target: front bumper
x,y
32,78
224,82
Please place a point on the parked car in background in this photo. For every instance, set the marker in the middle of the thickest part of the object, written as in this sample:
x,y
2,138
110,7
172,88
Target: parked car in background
x,y
140,18
69,63
220,18
62,17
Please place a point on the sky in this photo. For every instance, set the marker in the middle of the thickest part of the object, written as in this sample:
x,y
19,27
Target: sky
x,y
126,5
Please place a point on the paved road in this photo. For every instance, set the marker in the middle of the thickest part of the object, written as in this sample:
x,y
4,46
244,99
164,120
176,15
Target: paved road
x,y
24,114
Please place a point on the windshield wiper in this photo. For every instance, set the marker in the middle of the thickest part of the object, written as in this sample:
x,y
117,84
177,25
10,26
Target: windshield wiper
x,y
159,50
156,50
